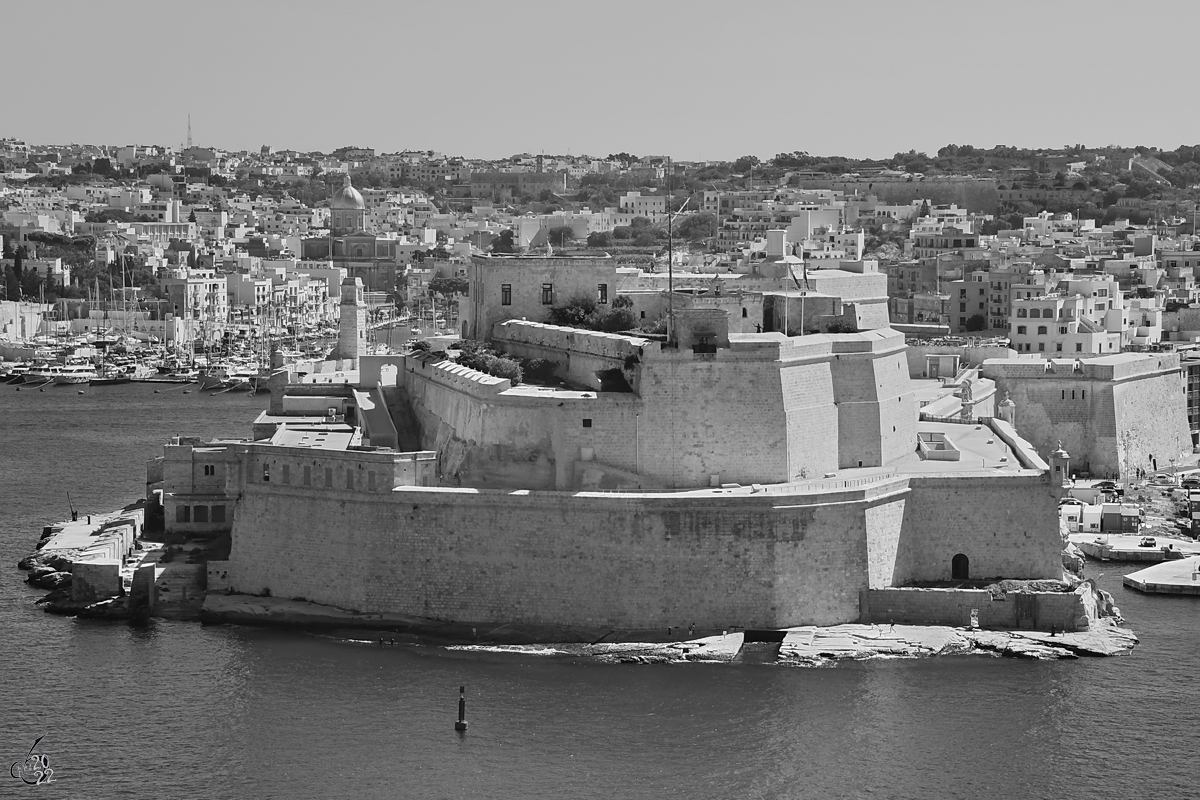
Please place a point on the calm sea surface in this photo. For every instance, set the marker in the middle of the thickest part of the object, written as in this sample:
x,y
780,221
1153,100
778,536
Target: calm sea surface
x,y
177,710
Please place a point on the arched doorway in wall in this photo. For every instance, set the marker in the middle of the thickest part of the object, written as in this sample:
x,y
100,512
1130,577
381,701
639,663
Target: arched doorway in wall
x,y
960,567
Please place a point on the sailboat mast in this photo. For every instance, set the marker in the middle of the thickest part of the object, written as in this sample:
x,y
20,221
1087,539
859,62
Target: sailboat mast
x,y
670,265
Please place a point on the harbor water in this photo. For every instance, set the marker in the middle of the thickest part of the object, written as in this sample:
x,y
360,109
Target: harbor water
x,y
175,709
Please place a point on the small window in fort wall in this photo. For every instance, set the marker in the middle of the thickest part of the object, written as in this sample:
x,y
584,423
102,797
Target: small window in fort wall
x,y
266,474
218,513
183,513
744,314
201,513
329,476
960,567
371,481
349,479
308,476
587,423
287,475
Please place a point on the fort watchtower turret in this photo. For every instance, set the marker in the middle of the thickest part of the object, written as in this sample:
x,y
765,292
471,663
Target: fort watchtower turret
x,y
352,336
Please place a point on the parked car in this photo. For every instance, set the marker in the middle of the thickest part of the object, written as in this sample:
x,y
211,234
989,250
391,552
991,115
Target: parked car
x,y
1191,483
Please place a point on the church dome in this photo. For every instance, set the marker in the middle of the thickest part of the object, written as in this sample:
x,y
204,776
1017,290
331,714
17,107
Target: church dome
x,y
348,197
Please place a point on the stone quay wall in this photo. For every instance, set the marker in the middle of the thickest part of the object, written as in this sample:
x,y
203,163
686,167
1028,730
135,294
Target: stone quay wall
x,y
1061,611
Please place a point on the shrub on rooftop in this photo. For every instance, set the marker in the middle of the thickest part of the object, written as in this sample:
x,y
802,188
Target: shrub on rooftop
x,y
484,359
586,313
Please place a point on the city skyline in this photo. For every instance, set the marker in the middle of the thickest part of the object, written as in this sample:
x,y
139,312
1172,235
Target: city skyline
x,y
634,79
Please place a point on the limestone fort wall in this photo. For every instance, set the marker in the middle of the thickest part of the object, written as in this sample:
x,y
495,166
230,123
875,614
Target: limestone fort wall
x,y
1110,413
764,410
631,561
1005,523
786,555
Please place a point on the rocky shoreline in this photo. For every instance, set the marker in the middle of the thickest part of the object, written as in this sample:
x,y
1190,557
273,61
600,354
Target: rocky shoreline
x,y
805,645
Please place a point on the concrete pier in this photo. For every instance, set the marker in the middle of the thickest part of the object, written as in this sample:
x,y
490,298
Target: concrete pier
x,y
1169,577
1120,547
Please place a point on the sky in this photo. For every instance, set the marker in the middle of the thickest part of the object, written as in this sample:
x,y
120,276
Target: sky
x,y
696,80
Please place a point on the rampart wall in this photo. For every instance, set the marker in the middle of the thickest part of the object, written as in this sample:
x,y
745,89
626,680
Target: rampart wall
x,y
1006,524
763,410
579,355
1111,414
487,434
876,408
597,560
784,555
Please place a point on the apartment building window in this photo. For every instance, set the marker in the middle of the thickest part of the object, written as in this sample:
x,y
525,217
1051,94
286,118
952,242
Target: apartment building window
x,y
981,306
1021,330
183,513
1058,347
1041,347
218,513
962,307
547,294
201,513
602,293
962,292
1021,312
506,294
1041,330
1062,329
1079,347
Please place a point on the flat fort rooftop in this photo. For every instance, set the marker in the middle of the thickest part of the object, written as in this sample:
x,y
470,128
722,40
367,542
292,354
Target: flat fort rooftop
x,y
980,448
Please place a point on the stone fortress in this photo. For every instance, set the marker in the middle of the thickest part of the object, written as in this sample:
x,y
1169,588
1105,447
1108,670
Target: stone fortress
x,y
718,478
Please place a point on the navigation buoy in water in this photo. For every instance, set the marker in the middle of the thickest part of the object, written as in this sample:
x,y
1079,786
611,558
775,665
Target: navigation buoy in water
x,y
461,725
156,391
187,391
81,391
41,390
